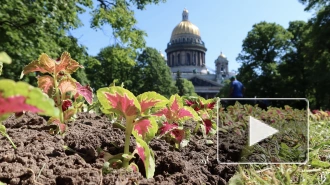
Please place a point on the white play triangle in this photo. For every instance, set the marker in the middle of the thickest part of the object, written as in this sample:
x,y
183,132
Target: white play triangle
x,y
259,131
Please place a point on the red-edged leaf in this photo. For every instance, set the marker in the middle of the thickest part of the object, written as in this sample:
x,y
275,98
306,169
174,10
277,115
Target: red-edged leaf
x,y
44,65
15,104
68,114
167,127
140,151
190,102
134,167
66,104
86,92
211,105
146,155
208,125
119,100
142,126
178,134
148,100
56,121
67,85
176,111
66,64
46,84
175,104
122,103
145,128
184,113
166,112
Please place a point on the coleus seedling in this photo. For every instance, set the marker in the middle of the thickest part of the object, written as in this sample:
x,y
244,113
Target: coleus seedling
x,y
20,96
176,114
205,109
58,84
137,112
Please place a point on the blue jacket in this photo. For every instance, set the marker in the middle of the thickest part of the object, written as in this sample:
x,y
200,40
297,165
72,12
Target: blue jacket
x,y
238,88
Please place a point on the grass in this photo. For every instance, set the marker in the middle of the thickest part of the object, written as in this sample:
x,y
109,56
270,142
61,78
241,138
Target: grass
x,y
315,172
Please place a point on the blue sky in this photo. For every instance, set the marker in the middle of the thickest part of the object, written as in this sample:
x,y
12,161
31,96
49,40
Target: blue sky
x,y
223,24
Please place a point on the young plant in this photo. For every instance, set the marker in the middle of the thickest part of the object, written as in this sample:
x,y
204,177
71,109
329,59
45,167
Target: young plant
x,y
175,115
139,122
58,84
20,96
206,111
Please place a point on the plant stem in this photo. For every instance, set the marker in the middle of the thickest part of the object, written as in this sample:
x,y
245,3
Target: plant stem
x,y
58,99
197,127
128,132
12,143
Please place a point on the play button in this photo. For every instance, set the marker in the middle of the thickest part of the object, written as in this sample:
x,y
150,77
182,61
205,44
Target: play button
x,y
259,131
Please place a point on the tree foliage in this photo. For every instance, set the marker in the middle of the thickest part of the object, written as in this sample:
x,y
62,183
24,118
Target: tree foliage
x,y
300,64
185,87
224,91
189,88
31,27
112,63
152,74
261,52
179,83
314,4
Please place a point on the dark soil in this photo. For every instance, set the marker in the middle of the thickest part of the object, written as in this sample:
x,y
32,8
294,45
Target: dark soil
x,y
41,159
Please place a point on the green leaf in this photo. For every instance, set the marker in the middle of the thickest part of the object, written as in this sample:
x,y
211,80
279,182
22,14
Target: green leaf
x,y
3,129
4,58
34,96
149,100
318,163
119,100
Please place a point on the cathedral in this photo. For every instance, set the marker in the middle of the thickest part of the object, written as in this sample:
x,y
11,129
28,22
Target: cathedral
x,y
186,53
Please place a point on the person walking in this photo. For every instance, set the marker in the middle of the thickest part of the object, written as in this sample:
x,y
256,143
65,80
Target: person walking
x,y
237,89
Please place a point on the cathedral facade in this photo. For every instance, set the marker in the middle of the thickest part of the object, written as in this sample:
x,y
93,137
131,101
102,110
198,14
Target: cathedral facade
x,y
186,53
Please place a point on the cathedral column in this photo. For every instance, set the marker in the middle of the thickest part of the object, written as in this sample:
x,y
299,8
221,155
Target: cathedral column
x,y
203,58
175,58
183,58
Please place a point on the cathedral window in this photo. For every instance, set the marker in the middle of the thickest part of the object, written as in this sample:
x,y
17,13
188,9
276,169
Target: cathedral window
x,y
188,59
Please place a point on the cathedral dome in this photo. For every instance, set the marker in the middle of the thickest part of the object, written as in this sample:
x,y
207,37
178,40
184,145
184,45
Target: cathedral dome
x,y
185,29
221,58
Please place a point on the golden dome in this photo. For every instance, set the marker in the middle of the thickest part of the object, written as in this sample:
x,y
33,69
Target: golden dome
x,y
222,55
185,27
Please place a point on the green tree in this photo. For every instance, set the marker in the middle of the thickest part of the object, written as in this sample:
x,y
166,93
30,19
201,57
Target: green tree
x,y
294,69
224,91
189,88
31,27
314,4
185,87
319,52
152,74
179,84
110,64
262,50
